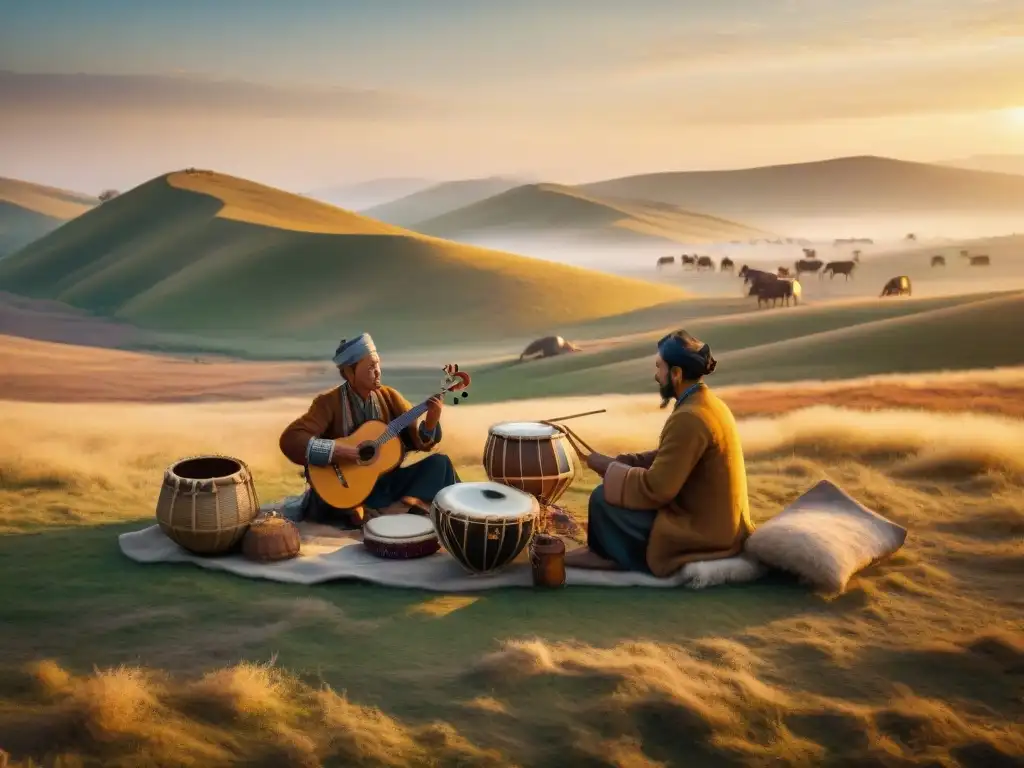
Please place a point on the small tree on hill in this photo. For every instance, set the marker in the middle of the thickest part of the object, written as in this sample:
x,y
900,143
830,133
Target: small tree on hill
x,y
108,194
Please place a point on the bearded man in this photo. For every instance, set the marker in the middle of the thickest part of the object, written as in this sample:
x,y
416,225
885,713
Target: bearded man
x,y
339,412
686,500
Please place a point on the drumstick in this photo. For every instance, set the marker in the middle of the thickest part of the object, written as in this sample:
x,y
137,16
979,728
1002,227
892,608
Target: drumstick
x,y
577,415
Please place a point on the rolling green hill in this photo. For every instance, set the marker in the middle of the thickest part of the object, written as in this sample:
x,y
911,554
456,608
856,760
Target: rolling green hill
x,y
439,199
828,341
29,211
213,255
555,209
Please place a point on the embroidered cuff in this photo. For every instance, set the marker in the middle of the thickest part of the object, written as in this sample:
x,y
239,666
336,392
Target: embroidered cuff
x,y
431,436
319,452
615,483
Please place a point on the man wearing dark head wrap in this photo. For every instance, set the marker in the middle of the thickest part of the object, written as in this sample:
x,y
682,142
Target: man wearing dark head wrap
x,y
309,440
685,501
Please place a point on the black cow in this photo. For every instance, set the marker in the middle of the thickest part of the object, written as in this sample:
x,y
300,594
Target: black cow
x,y
705,262
979,261
665,260
938,261
727,265
834,268
897,286
807,265
775,290
686,259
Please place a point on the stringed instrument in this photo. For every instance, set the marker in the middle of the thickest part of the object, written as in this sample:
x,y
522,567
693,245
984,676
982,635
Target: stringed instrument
x,y
347,484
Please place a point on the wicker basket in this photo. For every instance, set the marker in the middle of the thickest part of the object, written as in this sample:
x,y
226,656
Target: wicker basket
x,y
271,538
206,503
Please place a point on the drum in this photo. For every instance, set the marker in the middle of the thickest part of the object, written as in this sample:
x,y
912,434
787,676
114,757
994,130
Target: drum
x,y
532,457
400,537
206,503
484,526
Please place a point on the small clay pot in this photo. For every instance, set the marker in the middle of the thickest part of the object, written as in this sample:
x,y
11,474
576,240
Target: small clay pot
x,y
547,555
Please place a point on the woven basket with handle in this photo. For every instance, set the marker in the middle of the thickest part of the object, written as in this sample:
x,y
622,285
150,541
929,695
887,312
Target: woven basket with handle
x,y
206,503
271,538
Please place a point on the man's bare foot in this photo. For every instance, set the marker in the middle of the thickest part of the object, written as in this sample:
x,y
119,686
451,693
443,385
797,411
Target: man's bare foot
x,y
584,558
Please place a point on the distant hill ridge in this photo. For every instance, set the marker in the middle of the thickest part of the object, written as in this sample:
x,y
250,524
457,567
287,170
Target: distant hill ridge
x,y
845,185
28,211
542,208
207,253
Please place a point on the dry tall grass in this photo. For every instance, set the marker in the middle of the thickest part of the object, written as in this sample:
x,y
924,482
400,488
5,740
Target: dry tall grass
x,y
921,663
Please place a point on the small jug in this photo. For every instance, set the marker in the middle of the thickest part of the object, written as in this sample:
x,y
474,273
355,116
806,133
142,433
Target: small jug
x,y
547,555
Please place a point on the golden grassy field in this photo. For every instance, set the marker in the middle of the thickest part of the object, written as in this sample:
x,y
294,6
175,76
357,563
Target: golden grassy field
x,y
546,208
205,252
919,663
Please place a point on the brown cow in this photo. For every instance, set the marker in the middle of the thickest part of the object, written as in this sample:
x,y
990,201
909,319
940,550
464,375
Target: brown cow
x,y
834,268
548,346
776,290
751,276
686,259
705,262
665,260
979,261
783,272
727,265
938,261
897,286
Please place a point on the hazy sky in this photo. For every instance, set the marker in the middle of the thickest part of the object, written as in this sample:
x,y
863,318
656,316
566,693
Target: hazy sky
x,y
307,93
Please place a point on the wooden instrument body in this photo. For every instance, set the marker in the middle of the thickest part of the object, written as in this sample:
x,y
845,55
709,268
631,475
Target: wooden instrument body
x,y
348,485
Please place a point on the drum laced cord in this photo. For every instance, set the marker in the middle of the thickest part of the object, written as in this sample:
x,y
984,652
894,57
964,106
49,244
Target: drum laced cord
x,y
572,438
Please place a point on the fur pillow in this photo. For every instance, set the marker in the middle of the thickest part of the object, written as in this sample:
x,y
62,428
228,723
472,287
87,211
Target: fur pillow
x,y
825,537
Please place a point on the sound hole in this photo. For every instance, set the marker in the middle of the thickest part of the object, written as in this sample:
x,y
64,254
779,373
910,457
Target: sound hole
x,y
489,493
366,452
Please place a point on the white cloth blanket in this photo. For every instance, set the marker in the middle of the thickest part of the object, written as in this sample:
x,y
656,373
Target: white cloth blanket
x,y
329,554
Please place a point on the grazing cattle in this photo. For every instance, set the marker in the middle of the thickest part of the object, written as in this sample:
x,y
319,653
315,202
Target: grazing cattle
x,y
810,254
727,265
751,276
549,346
665,260
938,261
685,259
705,262
979,261
839,268
775,290
898,286
783,272
807,265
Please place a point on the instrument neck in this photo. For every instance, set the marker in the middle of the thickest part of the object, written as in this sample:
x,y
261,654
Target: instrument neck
x,y
407,419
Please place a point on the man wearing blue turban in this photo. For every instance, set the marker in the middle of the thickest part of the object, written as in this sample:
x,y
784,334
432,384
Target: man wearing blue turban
x,y
309,440
685,501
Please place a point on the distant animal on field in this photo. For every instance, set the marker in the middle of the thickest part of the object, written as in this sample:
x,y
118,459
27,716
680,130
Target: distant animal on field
x,y
775,291
807,265
965,254
938,261
810,254
549,346
705,262
783,272
687,259
665,260
834,268
979,261
897,286
727,265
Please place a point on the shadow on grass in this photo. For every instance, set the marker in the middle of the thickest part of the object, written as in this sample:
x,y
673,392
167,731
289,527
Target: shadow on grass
x,y
71,595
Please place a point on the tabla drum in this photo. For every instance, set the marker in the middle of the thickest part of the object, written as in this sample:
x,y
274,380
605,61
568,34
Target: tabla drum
x,y
533,457
400,537
484,526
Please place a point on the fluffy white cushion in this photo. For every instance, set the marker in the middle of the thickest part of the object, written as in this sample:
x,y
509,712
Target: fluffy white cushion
x,y
825,537
728,570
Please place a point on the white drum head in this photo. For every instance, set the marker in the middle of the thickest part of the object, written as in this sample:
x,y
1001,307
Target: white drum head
x,y
399,527
524,430
486,500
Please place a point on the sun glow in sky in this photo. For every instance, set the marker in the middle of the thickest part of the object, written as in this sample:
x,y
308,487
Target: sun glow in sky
x,y
311,93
